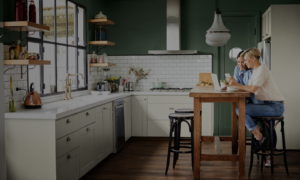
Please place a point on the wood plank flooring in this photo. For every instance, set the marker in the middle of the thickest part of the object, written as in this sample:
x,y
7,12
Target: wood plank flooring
x,y
145,159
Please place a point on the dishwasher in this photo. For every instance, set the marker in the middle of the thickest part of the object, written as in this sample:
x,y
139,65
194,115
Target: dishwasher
x,y
119,125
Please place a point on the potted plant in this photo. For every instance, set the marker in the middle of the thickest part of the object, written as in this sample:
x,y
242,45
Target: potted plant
x,y
139,74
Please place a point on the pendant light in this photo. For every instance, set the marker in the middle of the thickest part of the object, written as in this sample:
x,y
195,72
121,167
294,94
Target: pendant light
x,y
217,34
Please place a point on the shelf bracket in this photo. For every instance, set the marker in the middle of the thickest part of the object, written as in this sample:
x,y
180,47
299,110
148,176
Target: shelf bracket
x,y
9,69
26,70
5,33
97,68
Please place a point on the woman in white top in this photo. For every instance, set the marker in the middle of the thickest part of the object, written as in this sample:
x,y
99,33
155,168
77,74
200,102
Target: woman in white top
x,y
263,86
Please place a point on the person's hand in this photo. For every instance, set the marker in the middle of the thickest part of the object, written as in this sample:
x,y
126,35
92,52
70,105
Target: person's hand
x,y
231,80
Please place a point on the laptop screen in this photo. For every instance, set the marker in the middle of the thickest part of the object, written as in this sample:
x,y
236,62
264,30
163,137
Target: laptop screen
x,y
216,82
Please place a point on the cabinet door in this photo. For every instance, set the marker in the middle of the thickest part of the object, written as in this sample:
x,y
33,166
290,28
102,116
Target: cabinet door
x,y
99,129
269,24
127,114
108,129
139,116
87,148
68,166
264,22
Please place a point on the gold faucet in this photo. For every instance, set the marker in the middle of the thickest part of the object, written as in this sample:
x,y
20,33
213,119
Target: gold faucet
x,y
69,85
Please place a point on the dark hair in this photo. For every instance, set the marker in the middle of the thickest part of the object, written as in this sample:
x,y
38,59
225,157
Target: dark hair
x,y
240,53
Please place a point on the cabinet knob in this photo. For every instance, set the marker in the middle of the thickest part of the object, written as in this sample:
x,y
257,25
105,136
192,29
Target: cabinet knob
x,y
69,156
68,139
171,108
103,108
87,114
87,129
68,121
145,99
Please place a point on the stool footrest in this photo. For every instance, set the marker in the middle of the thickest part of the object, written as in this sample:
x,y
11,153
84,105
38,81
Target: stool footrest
x,y
276,152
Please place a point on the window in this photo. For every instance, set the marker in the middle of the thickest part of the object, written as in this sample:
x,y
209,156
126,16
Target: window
x,y
64,45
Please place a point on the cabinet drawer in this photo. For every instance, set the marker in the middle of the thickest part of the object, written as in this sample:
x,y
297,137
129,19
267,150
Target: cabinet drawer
x,y
162,111
66,143
66,126
68,166
87,117
170,99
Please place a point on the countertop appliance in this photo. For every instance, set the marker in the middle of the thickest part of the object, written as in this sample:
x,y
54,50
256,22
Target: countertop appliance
x,y
265,49
103,86
119,124
32,100
129,86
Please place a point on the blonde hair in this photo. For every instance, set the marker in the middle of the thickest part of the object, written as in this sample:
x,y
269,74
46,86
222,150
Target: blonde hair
x,y
252,52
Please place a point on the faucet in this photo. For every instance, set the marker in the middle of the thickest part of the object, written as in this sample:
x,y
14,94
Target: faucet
x,y
69,85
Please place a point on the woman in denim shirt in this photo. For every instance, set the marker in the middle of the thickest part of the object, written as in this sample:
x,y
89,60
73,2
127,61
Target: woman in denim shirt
x,y
242,75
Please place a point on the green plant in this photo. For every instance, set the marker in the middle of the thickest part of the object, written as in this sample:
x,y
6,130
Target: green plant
x,y
138,72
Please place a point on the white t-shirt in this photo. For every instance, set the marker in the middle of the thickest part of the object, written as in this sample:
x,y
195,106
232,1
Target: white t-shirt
x,y
267,90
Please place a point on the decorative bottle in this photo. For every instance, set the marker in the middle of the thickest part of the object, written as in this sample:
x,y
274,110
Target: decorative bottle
x,y
24,4
18,10
12,107
32,12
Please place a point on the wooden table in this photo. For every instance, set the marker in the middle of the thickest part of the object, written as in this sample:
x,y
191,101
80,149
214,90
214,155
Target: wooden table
x,y
208,94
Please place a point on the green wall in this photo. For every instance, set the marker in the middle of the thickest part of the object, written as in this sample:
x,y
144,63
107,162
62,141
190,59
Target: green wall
x,y
1,18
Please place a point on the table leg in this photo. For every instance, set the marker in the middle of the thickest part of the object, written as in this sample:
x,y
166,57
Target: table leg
x,y
234,129
197,137
242,153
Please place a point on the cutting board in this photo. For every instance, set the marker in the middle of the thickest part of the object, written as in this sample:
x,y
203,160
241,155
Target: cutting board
x,y
205,77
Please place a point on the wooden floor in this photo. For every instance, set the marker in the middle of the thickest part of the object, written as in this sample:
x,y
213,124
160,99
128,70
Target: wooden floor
x,y
145,159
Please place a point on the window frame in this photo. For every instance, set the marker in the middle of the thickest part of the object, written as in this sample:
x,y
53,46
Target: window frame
x,y
41,41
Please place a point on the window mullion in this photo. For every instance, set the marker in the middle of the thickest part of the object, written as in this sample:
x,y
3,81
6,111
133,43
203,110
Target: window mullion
x,y
41,14
76,43
55,46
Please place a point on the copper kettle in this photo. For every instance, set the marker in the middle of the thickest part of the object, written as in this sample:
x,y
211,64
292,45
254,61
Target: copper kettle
x,y
32,100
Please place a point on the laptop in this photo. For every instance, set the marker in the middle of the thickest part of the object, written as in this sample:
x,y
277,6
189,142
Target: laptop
x,y
216,83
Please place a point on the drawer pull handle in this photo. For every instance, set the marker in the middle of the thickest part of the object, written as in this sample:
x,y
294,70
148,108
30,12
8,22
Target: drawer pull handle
x,y
68,121
87,129
171,108
69,156
68,139
87,114
145,99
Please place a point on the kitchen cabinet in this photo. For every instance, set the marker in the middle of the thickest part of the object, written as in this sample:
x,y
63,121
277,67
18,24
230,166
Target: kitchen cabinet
x,y
68,166
127,116
266,24
104,131
87,149
139,116
159,108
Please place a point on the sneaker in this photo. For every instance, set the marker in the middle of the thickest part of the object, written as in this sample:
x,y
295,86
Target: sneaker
x,y
268,162
259,145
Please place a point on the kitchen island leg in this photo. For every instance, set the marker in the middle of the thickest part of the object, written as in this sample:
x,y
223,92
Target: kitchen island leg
x,y
197,137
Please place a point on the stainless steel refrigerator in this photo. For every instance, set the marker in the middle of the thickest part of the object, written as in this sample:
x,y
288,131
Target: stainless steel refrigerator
x,y
265,49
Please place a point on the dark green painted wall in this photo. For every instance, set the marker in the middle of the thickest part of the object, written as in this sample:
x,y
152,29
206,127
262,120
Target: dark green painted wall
x,y
1,18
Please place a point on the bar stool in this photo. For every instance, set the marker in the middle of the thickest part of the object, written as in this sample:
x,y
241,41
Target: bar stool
x,y
177,138
175,120
272,151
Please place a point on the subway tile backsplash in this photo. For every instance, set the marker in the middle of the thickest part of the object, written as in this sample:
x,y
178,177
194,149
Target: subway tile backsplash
x,y
176,70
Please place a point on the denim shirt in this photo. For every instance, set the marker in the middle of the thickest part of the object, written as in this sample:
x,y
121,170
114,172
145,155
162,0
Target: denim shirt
x,y
238,76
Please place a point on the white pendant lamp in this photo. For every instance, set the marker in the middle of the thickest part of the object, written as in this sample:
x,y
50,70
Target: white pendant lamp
x,y
217,34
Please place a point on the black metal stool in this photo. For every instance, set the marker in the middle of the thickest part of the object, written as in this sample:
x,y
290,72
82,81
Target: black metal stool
x,y
175,120
271,151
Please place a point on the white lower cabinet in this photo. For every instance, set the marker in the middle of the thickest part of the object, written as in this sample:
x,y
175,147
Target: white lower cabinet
x,y
139,116
68,166
87,148
104,132
127,116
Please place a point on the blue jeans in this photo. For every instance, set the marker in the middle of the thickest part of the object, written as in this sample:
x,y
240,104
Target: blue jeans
x,y
268,109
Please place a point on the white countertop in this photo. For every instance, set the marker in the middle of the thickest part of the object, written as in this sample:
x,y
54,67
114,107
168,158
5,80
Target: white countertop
x,y
61,109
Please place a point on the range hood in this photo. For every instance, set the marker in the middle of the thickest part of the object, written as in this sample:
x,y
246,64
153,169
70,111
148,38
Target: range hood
x,y
173,31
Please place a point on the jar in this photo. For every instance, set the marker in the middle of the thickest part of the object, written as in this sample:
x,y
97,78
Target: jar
x,y
32,12
100,59
94,58
105,57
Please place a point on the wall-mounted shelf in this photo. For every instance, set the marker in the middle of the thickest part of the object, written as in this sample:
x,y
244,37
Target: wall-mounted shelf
x,y
101,43
101,22
24,63
102,64
25,26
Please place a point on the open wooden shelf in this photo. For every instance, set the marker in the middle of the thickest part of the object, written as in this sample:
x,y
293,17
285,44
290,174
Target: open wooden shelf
x,y
101,22
26,62
101,43
101,64
25,26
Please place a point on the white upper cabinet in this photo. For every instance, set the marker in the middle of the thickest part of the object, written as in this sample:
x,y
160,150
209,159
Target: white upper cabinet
x,y
266,24
139,116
